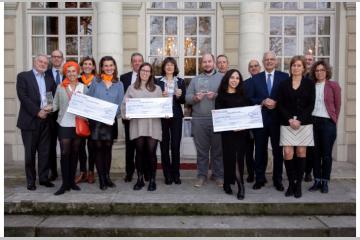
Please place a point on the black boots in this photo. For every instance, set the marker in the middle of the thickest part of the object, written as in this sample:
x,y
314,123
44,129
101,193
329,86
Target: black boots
x,y
152,184
316,186
108,182
102,182
289,166
65,177
241,191
227,188
140,182
299,170
324,187
72,173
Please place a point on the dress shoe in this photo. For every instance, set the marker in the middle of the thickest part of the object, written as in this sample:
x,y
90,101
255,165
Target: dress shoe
x,y
81,178
241,191
168,181
258,185
91,178
308,178
152,184
177,181
53,176
128,178
102,182
62,190
47,184
31,186
324,187
316,186
250,178
227,188
146,177
279,186
140,182
108,181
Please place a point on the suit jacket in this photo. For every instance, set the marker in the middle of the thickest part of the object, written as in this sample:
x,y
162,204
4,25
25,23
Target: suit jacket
x,y
50,73
126,80
30,99
258,92
247,85
305,101
332,99
177,110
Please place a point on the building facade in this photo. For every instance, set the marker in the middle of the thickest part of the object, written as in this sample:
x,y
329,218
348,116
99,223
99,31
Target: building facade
x,y
185,30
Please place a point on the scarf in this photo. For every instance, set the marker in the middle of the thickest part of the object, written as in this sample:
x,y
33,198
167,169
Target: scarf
x,y
106,78
87,81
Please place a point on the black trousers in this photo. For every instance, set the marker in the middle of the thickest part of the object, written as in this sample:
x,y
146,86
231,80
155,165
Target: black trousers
x,y
249,155
130,153
53,142
171,129
37,140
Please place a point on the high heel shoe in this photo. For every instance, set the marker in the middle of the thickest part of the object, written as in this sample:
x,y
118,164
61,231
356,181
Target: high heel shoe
x,y
241,192
152,184
227,189
108,182
140,182
102,182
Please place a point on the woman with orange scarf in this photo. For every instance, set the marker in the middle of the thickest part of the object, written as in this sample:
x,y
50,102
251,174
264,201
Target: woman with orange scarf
x,y
88,66
69,140
106,86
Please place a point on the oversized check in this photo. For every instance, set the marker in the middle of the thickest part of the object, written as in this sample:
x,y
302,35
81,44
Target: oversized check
x,y
148,107
93,108
237,118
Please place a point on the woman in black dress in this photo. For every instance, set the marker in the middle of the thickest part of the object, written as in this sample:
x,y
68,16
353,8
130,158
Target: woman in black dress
x,y
231,94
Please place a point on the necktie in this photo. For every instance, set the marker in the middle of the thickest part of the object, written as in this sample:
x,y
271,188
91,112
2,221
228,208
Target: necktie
x,y
57,81
269,84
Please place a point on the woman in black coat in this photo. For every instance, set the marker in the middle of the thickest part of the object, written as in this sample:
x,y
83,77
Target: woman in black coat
x,y
295,103
175,88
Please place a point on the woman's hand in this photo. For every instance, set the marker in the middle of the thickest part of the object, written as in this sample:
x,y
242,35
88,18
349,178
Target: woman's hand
x,y
179,92
239,130
82,117
47,108
110,124
295,124
165,94
127,118
167,117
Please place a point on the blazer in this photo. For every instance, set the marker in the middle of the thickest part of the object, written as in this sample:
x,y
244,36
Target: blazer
x,y
126,80
305,101
247,85
332,99
30,99
50,73
258,92
177,110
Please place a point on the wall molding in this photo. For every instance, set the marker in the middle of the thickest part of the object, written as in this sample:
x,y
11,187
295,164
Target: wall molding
x,y
350,9
10,8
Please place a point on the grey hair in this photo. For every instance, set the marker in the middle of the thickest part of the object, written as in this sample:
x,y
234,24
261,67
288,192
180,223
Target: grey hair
x,y
137,54
211,56
37,56
222,56
268,53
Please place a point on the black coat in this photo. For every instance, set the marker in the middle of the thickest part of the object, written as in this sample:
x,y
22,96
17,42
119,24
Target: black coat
x,y
126,80
30,99
305,101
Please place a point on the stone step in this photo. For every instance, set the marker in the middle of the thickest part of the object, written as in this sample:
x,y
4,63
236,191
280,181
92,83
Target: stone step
x,y
179,226
180,200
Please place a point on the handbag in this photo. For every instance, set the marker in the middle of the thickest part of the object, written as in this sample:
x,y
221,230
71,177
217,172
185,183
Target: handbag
x,y
81,125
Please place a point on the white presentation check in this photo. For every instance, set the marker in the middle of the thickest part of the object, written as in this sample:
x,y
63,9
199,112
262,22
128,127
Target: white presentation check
x,y
93,108
237,118
148,107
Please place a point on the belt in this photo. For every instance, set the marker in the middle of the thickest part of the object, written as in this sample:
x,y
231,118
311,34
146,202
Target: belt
x,y
321,118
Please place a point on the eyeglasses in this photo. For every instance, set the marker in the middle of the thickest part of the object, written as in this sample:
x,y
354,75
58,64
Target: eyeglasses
x,y
269,59
169,65
57,57
88,56
320,70
144,71
254,66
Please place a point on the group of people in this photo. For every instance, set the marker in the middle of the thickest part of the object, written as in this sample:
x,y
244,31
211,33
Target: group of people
x,y
299,115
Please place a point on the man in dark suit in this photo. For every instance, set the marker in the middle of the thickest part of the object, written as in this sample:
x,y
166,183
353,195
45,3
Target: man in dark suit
x,y
56,59
33,121
263,91
309,62
127,79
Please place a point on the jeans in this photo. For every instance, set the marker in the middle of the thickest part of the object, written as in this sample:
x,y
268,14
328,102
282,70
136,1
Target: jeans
x,y
324,137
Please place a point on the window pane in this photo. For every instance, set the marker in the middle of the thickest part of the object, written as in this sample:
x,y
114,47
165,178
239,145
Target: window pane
x,y
38,45
275,45
290,46
324,46
157,5
52,25
190,66
156,45
171,25
324,5
290,5
190,46
85,5
204,25
204,46
171,46
287,65
324,25
37,25
170,5
52,43
85,46
72,59
309,46
309,5
71,26
51,5
85,25
190,26
156,25
309,25
70,4
71,46
276,5
275,25
37,5
204,4
290,26
156,65
200,68
190,5
278,65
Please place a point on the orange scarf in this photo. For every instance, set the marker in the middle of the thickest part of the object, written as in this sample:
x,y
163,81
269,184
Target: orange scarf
x,y
66,82
88,80
106,78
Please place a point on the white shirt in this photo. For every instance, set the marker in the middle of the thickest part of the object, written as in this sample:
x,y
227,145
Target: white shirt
x,y
133,78
55,73
69,118
320,108
271,77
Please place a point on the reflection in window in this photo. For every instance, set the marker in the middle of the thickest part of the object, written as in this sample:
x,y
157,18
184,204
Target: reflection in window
x,y
309,46
275,45
157,5
171,25
156,65
85,5
52,25
156,25
290,46
323,46
190,66
290,24
171,46
309,25
71,26
324,25
85,25
156,46
275,25
290,5
204,46
71,46
190,25
309,4
191,5
37,5
52,44
324,5
190,46
70,4
276,5
204,4
85,46
204,25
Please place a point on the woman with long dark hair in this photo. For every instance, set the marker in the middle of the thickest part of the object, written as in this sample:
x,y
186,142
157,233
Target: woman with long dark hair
x,y
232,94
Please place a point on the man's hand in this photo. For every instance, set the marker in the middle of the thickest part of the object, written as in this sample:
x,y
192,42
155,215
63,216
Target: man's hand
x,y
42,114
269,103
210,95
238,130
198,97
273,105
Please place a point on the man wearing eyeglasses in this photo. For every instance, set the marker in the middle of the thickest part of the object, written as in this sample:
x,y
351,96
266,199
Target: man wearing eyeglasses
x,y
262,90
57,60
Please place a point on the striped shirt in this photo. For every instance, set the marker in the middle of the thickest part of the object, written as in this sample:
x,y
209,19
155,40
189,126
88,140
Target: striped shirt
x,y
320,108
